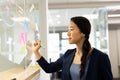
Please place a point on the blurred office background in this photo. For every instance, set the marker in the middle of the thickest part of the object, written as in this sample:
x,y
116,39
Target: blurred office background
x,y
104,16
105,19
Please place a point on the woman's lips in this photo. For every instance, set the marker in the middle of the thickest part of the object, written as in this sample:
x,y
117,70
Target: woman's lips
x,y
69,38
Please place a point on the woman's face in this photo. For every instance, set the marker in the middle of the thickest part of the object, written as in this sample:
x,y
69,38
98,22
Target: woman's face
x,y
74,34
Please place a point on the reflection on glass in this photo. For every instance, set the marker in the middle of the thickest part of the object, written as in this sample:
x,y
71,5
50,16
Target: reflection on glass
x,y
18,21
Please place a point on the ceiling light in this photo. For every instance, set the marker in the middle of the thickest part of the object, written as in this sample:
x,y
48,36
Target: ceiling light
x,y
91,16
58,22
113,7
114,15
58,16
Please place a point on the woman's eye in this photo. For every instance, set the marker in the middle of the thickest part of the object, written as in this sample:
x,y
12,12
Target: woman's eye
x,y
70,29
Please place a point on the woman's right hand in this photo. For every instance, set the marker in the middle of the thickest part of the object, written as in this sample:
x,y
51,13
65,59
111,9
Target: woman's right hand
x,y
36,47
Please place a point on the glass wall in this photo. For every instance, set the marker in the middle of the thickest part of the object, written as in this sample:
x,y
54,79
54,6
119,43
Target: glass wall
x,y
20,25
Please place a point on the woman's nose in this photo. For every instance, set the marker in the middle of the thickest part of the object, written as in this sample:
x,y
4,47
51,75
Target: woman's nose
x,y
68,33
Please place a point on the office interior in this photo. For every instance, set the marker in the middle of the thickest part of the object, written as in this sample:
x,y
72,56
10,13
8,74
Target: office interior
x,y
22,22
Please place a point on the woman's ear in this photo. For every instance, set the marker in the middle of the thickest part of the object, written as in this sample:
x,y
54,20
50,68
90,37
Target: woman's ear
x,y
83,34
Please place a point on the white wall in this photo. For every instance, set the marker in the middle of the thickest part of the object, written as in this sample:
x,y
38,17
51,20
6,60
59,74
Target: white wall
x,y
114,48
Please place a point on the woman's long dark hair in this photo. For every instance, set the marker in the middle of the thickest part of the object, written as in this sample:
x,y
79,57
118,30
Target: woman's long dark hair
x,y
85,27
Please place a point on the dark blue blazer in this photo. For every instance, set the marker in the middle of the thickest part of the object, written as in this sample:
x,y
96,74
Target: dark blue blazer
x,y
98,65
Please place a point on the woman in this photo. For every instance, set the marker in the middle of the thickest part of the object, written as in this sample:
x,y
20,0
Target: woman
x,y
81,63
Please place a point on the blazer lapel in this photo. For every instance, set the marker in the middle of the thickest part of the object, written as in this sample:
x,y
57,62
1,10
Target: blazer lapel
x,y
69,62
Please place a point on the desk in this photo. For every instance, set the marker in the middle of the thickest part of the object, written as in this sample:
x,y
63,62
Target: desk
x,y
20,73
